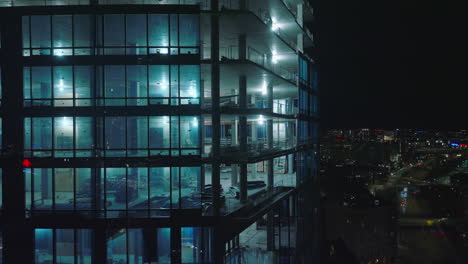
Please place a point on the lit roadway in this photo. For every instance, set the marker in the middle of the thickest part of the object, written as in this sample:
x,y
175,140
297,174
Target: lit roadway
x,y
431,220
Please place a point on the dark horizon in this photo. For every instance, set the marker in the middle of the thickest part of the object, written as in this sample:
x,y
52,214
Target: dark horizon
x,y
388,65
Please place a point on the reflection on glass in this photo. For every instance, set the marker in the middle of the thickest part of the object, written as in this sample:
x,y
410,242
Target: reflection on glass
x,y
117,246
43,245
117,34
163,246
190,244
65,242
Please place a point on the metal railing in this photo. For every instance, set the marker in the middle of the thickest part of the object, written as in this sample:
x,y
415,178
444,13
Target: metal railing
x,y
284,109
256,8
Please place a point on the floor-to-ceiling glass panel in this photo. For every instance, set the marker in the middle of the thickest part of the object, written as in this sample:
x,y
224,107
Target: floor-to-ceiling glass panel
x,y
159,189
175,135
83,34
163,246
188,30
137,85
41,130
137,136
189,133
189,84
63,136
116,246
84,136
84,185
174,33
175,187
43,246
135,246
190,187
27,85
42,196
190,244
84,245
174,84
159,138
63,191
62,35
63,86
114,83
40,35
84,80
159,84
26,35
158,29
114,34
115,144
116,189
27,137
136,34
41,85
65,246
42,136
137,188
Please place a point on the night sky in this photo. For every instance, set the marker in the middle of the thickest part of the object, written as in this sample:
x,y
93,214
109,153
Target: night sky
x,y
391,64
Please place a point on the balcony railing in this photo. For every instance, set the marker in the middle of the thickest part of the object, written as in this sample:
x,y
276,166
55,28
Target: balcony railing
x,y
255,56
256,8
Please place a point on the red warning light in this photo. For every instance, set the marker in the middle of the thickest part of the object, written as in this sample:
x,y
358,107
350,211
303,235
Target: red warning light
x,y
26,163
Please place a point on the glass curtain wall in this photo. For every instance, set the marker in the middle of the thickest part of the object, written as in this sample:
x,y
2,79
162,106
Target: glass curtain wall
x,y
116,34
138,246
113,192
64,246
111,85
118,136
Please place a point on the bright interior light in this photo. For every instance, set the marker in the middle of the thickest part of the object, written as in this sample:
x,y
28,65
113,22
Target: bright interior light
x,y
66,122
274,57
264,88
261,120
163,51
61,84
274,24
195,122
166,119
59,53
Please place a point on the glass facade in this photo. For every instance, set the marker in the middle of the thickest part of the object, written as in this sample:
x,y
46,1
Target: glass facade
x,y
135,246
111,34
113,192
138,245
111,85
111,136
64,246
112,122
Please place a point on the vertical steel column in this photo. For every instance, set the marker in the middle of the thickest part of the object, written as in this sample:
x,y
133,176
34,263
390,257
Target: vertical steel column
x,y
243,138
243,165
234,142
100,244
242,43
270,164
215,110
270,170
271,230
18,235
202,134
218,249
